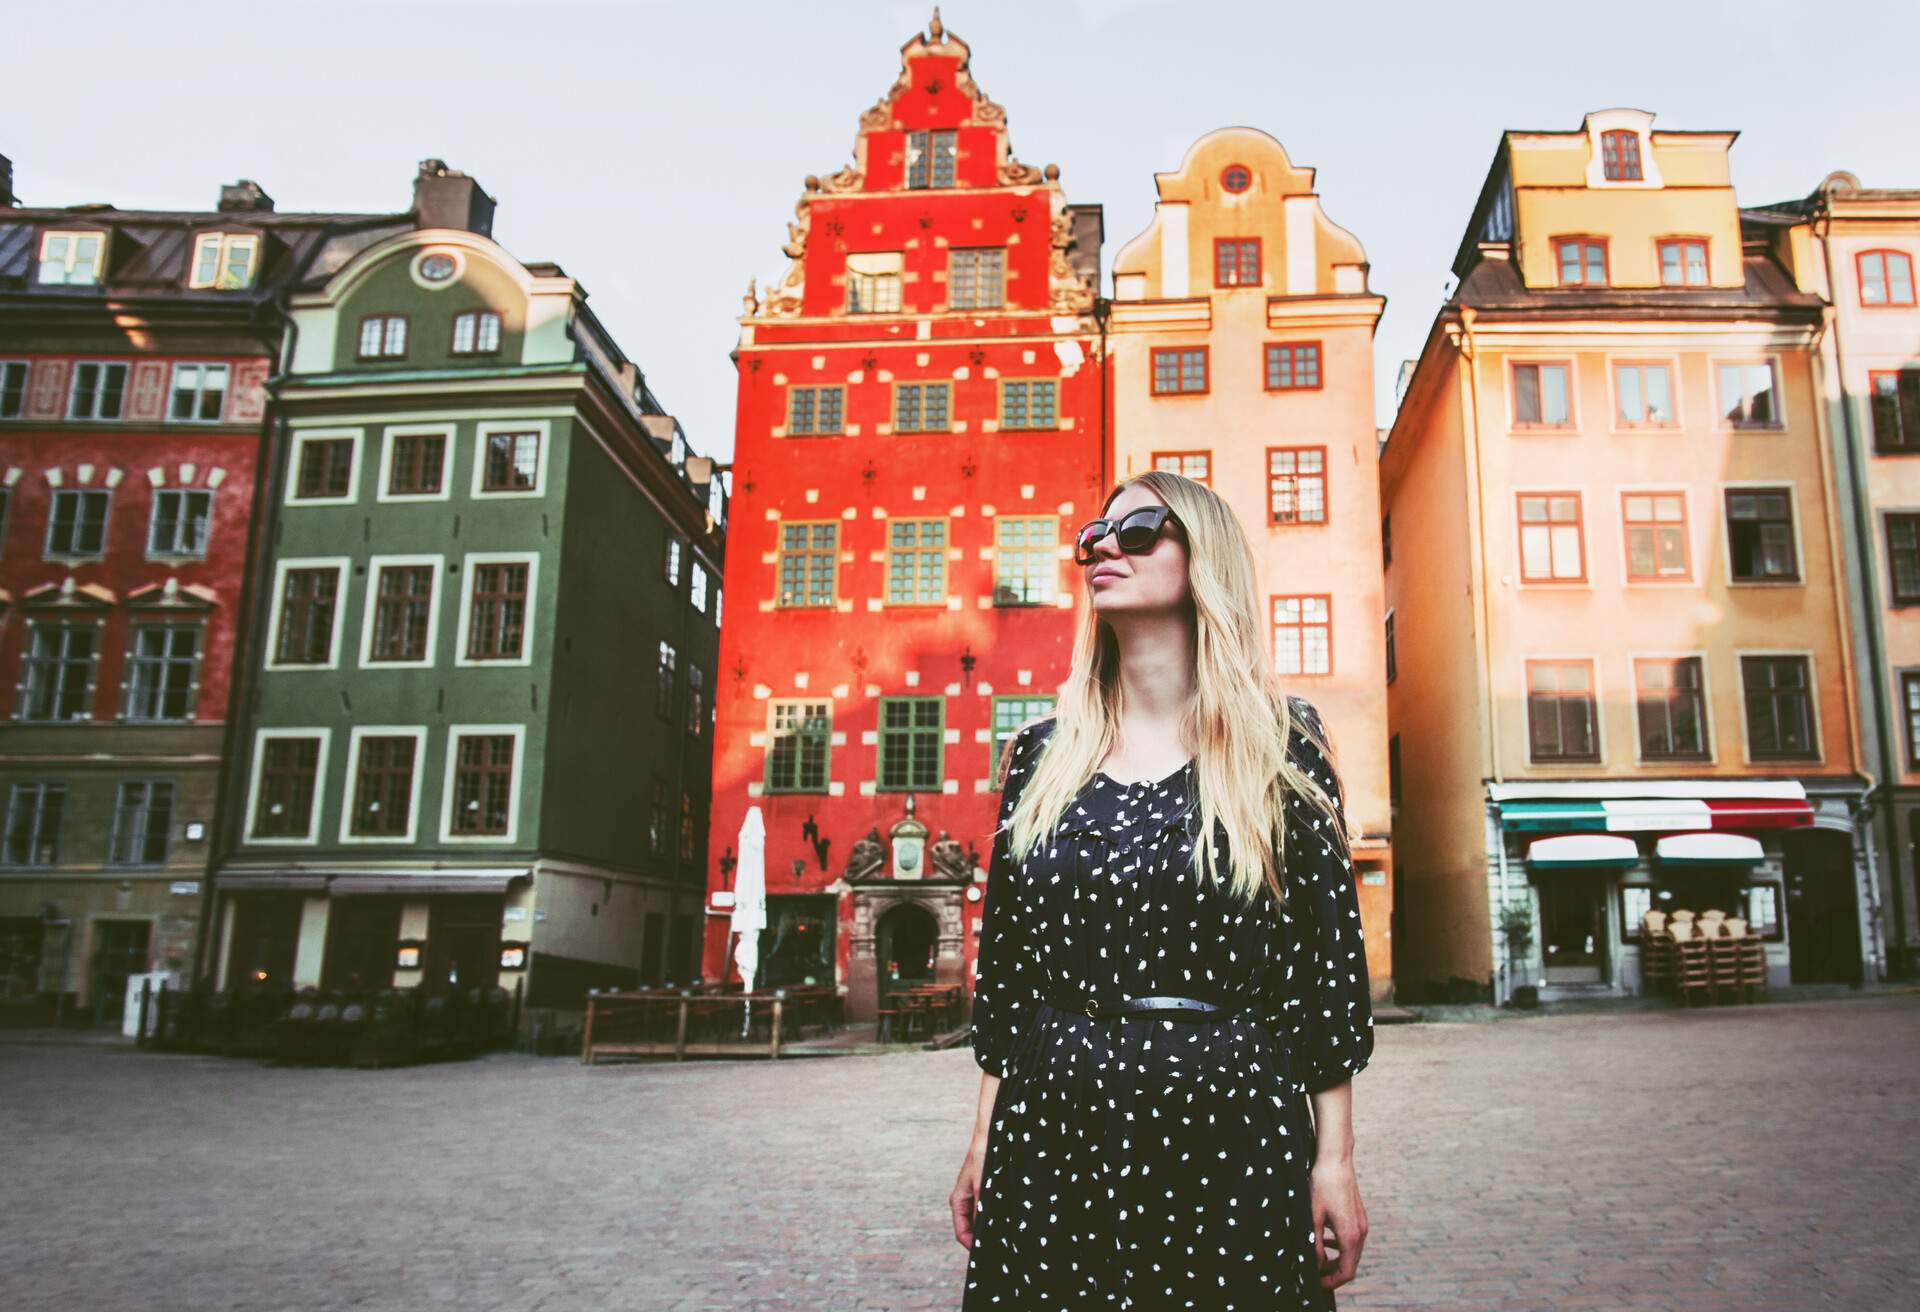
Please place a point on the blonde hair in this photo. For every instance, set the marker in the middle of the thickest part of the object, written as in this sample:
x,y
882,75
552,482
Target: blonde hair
x,y
1238,720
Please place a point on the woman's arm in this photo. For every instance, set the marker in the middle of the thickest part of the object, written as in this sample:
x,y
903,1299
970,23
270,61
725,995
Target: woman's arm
x,y
1335,1187
967,1188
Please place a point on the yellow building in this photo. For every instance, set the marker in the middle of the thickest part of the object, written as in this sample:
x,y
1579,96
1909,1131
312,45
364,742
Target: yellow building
x,y
1622,672
1242,355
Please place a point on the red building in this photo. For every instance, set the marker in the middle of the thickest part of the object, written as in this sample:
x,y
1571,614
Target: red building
x,y
921,424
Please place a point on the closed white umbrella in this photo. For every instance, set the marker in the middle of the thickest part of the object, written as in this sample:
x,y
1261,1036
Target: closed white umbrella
x,y
750,903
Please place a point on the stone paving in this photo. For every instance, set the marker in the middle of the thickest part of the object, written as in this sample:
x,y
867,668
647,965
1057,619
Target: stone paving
x,y
1757,1159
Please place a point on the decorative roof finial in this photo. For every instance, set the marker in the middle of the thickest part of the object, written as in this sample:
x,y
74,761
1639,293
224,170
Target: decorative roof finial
x,y
934,29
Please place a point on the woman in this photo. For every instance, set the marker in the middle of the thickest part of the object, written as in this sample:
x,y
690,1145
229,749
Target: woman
x,y
1154,1014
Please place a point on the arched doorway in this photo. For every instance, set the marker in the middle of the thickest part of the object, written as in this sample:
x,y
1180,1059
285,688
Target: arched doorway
x,y
905,941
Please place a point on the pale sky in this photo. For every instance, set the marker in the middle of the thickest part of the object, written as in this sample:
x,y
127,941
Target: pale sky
x,y
655,148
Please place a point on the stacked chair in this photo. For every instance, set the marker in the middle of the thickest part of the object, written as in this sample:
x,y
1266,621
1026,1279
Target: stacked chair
x,y
1706,958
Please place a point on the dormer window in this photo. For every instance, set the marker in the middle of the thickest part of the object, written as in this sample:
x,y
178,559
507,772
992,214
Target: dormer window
x,y
1582,261
930,159
1683,262
383,337
1620,156
476,332
873,282
224,261
70,259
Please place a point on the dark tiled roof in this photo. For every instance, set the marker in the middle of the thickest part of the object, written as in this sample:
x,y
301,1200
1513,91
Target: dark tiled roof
x,y
1494,284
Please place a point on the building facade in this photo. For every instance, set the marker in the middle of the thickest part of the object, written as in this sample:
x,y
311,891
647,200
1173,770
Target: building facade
x,y
1620,669
475,738
920,420
1242,356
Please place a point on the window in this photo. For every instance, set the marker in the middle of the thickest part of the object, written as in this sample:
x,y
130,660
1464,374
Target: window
x,y
402,613
1541,398
78,524
1029,403
670,563
1236,262
930,159
482,784
1643,396
511,463
1009,713
181,518
1562,723
912,738
13,388
920,407
1760,535
97,391
1886,277
1909,695
1620,156
289,775
1779,700
1672,708
163,672
1196,465
1303,635
497,620
307,610
1181,369
33,824
873,283
476,332
1551,550
383,786
57,670
807,555
1236,178
696,700
326,468
383,337
1386,541
142,815
1582,261
199,393
70,259
1683,262
916,562
976,279
416,466
1297,485
223,261
1903,558
697,586
663,681
1896,410
1026,561
1656,524
659,817
1293,366
799,734
816,411
1749,394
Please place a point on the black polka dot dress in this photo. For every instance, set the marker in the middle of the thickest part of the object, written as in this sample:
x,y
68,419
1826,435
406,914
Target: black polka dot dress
x,y
1140,1162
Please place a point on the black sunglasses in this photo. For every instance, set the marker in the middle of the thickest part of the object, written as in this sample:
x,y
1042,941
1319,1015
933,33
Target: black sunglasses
x,y
1135,532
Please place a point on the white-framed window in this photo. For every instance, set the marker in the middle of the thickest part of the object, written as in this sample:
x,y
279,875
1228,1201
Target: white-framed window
x,y
162,682
98,391
224,261
416,463
670,567
57,671
480,802
510,459
400,616
476,332
873,282
199,393
142,820
383,337
697,587
77,524
323,467
1749,393
182,518
498,595
71,259
286,787
304,618
385,763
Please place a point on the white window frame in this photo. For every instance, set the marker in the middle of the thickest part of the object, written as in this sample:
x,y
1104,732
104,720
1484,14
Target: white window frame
x,y
261,737
350,788
173,381
224,245
454,734
370,600
469,574
153,518
73,390
388,439
342,566
487,429
1813,708
301,436
479,318
1706,706
1734,360
74,238
106,523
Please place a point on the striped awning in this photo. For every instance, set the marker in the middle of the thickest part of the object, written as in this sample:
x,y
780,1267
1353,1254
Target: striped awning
x,y
1708,850
1583,852
1655,808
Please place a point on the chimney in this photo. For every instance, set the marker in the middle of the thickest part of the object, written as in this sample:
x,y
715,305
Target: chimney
x,y
448,198
245,197
6,182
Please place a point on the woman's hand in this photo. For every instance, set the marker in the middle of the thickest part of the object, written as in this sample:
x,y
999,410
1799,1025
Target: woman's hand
x,y
966,1190
1336,1202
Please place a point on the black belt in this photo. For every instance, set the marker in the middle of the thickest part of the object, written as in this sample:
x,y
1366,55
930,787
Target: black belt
x,y
1157,1004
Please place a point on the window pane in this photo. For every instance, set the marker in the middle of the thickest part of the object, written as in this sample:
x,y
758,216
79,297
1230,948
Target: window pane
x,y
1553,394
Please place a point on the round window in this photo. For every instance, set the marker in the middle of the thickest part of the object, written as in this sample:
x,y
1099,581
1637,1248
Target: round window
x,y
1236,178
437,267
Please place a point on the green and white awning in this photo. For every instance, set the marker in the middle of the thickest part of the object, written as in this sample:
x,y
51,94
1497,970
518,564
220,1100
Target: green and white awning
x,y
1709,850
1583,852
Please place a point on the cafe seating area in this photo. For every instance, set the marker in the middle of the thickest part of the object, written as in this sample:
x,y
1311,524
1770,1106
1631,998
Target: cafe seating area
x,y
706,1019
1702,960
918,1013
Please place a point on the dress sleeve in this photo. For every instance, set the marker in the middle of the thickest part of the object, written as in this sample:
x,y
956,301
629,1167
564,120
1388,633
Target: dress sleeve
x,y
1333,1038
1007,975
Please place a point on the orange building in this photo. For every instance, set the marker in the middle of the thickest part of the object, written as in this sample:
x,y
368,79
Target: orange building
x,y
1620,673
1241,355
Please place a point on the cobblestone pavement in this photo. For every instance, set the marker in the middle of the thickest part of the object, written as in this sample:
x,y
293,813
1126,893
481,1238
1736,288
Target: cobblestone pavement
x,y
1759,1159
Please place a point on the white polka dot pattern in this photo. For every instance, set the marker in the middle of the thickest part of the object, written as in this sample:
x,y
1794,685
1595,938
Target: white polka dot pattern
x,y
1139,1162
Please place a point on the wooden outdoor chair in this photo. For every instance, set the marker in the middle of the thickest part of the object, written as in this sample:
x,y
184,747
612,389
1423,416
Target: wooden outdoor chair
x,y
886,1019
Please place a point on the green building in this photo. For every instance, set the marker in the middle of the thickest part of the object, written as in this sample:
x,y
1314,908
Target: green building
x,y
474,739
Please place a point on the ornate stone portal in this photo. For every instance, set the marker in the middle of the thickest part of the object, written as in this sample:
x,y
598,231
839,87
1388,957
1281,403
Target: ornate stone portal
x,y
903,878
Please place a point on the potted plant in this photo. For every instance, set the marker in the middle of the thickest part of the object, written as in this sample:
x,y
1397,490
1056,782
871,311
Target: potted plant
x,y
1516,926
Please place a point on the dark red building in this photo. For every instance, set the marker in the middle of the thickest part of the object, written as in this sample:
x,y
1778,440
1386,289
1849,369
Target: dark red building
x,y
921,424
